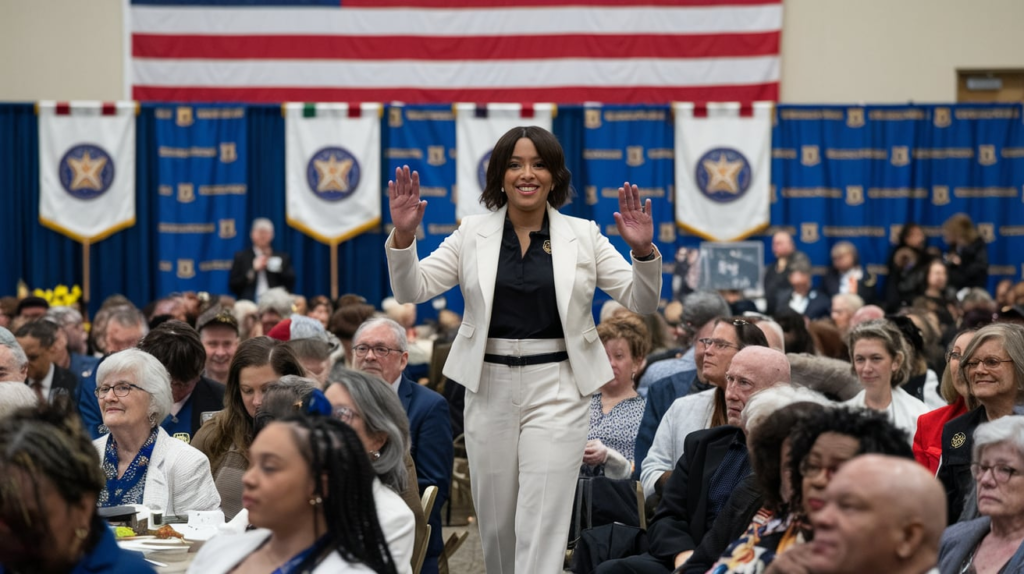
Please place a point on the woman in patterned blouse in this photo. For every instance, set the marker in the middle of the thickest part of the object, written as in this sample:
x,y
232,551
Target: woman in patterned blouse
x,y
615,412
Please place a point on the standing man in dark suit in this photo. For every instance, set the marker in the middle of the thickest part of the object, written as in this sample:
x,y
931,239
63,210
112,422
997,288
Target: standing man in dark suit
x,y
380,348
177,346
39,341
260,268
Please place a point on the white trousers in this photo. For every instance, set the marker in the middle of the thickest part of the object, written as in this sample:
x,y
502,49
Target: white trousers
x,y
526,429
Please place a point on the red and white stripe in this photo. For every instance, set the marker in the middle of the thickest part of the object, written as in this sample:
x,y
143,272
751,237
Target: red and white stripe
x,y
466,50
86,108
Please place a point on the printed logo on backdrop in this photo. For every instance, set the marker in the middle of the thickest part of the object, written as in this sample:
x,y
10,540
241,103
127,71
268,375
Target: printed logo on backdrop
x,y
855,117
635,155
987,231
395,117
435,155
186,269
900,155
591,193
86,171
854,195
809,233
227,228
333,174
592,119
940,194
987,154
185,118
481,169
942,118
723,174
809,155
186,193
228,152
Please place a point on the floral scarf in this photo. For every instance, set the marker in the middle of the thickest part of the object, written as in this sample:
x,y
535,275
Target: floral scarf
x,y
130,487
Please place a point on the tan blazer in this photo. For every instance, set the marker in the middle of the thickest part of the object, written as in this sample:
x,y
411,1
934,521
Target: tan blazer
x,y
583,260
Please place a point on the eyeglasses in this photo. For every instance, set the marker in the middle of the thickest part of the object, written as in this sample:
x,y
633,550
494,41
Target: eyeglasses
x,y
953,356
345,414
120,390
1000,473
379,351
813,469
741,323
989,362
720,343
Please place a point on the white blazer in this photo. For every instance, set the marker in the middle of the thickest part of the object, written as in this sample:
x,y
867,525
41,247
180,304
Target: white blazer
x,y
583,260
221,554
178,477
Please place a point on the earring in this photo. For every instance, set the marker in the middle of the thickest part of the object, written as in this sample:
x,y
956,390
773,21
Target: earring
x,y
375,454
315,501
82,533
503,190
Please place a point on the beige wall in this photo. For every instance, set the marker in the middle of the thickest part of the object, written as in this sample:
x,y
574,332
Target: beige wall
x,y
833,51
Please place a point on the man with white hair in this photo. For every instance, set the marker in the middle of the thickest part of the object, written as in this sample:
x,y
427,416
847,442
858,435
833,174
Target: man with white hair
x,y
844,305
261,268
13,361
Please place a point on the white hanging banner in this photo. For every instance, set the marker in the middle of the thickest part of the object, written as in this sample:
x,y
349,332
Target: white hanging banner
x,y
723,170
477,129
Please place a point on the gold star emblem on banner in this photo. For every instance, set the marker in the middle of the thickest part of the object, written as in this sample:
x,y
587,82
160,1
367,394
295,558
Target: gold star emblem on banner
x,y
87,172
724,174
333,174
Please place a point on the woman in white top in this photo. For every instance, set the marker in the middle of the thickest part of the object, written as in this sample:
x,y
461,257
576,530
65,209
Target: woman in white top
x,y
309,493
879,356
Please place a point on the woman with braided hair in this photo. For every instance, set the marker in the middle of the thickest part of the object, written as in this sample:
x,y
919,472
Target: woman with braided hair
x,y
50,480
309,493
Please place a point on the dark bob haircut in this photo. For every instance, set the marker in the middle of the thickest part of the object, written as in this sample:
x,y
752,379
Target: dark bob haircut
x,y
548,149
765,444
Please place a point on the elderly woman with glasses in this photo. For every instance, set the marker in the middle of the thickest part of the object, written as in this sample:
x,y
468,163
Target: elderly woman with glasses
x,y
879,356
141,462
995,542
992,368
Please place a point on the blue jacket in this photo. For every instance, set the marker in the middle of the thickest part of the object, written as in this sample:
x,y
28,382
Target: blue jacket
x,y
659,398
107,556
433,451
88,405
960,539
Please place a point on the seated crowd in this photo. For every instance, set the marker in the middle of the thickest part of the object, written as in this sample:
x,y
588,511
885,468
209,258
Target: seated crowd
x,y
846,430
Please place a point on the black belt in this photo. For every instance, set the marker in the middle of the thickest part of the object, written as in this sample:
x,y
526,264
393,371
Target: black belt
x,y
527,360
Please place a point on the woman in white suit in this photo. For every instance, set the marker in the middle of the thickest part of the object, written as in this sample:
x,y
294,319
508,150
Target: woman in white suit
x,y
142,463
527,351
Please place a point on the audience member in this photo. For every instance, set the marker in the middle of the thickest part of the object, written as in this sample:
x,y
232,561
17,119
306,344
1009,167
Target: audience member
x,y
967,255
879,356
126,326
702,410
866,313
616,410
995,541
797,336
257,270
226,437
846,274
827,340
844,305
380,349
247,314
879,514
195,398
953,388
344,323
992,366
321,309
315,356
13,362
801,298
141,462
275,305
15,396
31,308
38,339
776,275
921,383
907,268
218,331
50,482
71,322
310,497
936,295
674,378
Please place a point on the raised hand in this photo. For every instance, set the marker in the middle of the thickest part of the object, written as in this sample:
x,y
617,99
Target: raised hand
x,y
634,220
405,204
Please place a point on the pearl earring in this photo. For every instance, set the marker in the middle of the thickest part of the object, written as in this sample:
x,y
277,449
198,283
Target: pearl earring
x,y
315,501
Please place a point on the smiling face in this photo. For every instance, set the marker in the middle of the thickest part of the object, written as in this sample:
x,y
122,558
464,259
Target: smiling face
x,y
253,383
277,487
220,342
873,363
717,356
128,412
829,452
991,385
527,181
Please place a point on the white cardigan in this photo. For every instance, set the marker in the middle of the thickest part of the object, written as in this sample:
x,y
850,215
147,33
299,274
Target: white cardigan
x,y
222,553
903,411
178,477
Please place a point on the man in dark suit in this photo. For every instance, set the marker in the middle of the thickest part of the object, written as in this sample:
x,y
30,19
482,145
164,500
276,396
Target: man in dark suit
x,y
177,346
776,275
260,268
39,341
380,348
712,466
800,297
847,276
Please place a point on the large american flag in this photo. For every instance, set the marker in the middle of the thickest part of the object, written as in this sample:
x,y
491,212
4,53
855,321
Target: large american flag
x,y
424,51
